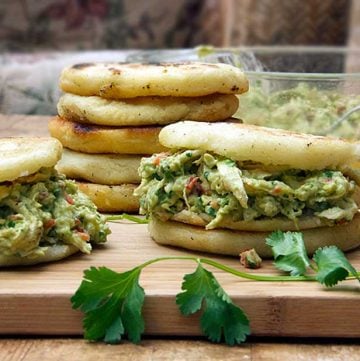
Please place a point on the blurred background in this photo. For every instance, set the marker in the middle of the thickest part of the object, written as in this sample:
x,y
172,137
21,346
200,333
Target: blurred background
x,y
39,37
28,25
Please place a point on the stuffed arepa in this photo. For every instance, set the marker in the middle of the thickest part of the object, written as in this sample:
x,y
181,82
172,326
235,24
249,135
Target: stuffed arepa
x,y
43,216
223,187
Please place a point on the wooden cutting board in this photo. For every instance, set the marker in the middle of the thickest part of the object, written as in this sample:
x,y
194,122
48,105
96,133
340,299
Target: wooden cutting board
x,y
36,300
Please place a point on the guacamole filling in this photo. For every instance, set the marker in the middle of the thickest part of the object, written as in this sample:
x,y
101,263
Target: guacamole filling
x,y
46,209
217,189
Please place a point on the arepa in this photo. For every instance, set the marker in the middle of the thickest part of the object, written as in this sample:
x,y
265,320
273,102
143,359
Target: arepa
x,y
269,146
23,156
232,243
145,110
129,80
108,169
111,198
100,139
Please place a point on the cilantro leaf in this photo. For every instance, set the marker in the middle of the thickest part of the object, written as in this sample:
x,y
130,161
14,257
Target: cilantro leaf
x,y
220,316
333,266
289,252
112,303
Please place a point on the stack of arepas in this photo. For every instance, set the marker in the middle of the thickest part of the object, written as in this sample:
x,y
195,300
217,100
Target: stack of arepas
x,y
111,114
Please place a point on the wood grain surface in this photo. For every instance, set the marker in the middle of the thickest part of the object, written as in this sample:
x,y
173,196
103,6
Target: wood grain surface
x,y
173,350
35,301
29,296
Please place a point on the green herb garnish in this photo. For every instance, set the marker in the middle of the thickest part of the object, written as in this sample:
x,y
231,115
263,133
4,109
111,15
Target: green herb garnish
x,y
333,266
289,252
112,301
329,263
125,216
220,317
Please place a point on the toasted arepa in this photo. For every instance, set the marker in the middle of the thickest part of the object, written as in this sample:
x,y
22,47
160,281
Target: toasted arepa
x,y
101,139
111,198
232,243
268,146
24,156
129,80
100,168
146,110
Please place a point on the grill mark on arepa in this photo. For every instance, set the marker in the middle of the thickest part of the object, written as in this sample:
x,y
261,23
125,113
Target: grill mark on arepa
x,y
82,65
135,65
106,88
175,65
71,116
115,71
80,128
215,66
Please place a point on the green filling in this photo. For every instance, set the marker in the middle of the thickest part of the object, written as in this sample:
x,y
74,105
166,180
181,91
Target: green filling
x,y
45,210
214,187
303,109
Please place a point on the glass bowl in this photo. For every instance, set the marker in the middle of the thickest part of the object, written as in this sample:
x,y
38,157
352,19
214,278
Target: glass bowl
x,y
306,89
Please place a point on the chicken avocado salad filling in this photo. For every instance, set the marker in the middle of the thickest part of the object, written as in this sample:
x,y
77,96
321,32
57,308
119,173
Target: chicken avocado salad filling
x,y
218,189
46,209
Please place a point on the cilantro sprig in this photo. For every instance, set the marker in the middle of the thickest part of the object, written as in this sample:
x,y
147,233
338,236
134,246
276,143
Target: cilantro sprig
x,y
289,252
112,302
201,287
125,216
329,264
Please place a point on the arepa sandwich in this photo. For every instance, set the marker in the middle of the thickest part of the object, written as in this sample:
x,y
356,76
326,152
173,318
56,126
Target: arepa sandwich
x,y
224,187
43,216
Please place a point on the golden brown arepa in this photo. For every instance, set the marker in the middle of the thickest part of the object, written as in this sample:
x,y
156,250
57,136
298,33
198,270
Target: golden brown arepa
x,y
107,179
111,198
130,80
108,169
146,110
89,138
